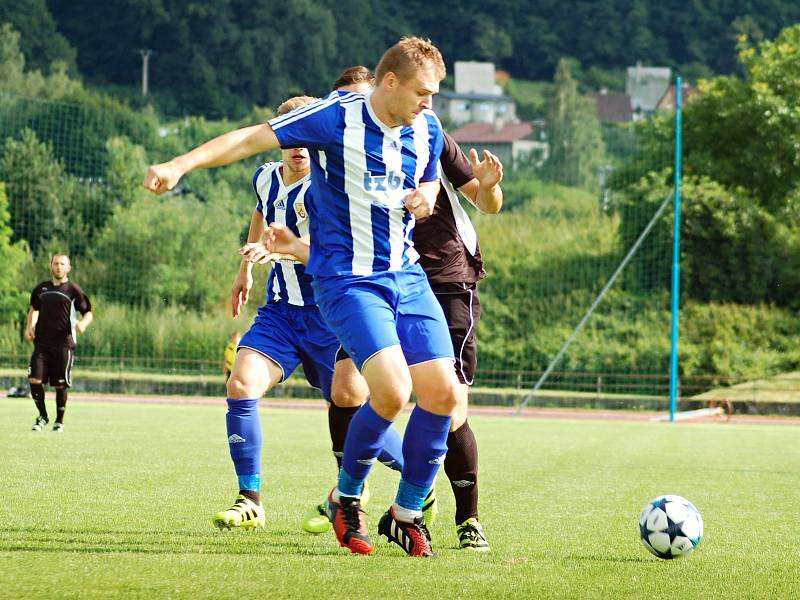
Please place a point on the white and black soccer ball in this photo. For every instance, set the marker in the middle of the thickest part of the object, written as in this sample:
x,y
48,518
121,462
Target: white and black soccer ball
x,y
670,526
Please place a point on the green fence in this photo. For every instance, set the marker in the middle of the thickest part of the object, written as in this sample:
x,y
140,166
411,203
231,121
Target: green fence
x,y
159,270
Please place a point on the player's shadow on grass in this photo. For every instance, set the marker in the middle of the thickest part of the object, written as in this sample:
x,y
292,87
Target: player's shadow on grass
x,y
275,542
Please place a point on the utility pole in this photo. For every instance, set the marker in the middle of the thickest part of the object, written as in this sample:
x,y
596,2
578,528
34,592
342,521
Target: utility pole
x,y
145,53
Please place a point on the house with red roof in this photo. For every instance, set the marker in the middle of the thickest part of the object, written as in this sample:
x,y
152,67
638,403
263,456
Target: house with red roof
x,y
512,143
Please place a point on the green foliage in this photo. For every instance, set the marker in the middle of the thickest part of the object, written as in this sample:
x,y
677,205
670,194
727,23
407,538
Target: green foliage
x,y
33,181
732,249
576,145
172,337
77,127
746,132
530,97
729,342
14,77
150,254
13,259
742,175
218,59
41,41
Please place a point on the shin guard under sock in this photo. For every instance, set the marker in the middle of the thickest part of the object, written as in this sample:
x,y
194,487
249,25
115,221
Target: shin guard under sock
x,y
37,393
461,468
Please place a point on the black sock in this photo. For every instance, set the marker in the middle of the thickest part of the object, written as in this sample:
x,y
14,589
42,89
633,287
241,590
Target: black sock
x,y
339,418
37,393
461,467
61,404
251,495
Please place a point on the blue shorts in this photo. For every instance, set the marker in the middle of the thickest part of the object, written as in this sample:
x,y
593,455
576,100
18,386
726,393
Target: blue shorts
x,y
290,335
372,312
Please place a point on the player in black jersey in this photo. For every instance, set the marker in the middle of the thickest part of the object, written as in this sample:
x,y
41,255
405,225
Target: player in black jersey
x,y
53,326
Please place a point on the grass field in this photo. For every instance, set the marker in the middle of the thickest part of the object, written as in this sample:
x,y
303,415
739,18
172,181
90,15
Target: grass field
x,y
784,387
120,506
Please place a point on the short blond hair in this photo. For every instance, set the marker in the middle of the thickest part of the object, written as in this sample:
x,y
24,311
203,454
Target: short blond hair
x,y
407,55
292,103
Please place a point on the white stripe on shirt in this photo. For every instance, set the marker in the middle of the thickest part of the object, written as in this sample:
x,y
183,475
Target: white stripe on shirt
x,y
355,165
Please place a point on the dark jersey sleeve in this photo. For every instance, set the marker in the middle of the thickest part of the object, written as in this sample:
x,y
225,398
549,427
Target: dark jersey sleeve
x,y
455,164
36,303
82,303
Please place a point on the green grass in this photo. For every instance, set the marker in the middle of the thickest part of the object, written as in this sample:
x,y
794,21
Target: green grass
x,y
120,506
781,388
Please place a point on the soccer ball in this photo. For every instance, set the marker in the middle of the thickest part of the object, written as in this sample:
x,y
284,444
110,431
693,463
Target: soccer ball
x,y
670,526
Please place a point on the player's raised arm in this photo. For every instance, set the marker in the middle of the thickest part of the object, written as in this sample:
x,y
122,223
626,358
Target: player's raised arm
x,y
484,190
222,150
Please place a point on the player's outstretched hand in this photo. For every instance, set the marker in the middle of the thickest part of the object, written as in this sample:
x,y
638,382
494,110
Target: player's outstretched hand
x,y
29,334
162,178
489,171
240,290
419,204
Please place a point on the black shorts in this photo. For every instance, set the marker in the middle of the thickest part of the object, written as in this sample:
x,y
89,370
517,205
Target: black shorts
x,y
53,365
462,309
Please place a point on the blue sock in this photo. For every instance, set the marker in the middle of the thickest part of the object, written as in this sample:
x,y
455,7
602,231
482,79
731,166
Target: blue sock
x,y
424,449
411,496
365,438
392,452
244,440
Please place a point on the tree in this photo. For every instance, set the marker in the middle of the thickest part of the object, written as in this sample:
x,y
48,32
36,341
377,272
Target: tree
x,y
732,249
166,252
33,180
13,257
746,132
576,144
42,43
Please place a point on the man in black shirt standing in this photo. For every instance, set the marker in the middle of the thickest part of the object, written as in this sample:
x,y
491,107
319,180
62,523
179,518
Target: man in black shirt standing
x,y
53,327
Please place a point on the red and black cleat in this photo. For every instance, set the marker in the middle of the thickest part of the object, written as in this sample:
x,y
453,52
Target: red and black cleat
x,y
349,525
414,537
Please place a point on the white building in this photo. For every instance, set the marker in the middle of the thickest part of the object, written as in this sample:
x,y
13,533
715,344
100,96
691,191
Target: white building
x,y
476,99
646,86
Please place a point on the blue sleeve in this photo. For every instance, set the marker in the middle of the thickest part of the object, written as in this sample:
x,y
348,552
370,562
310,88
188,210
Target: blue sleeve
x,y
309,126
435,144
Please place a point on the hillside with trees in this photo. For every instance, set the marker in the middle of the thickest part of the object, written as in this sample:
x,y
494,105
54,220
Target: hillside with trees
x,y
72,157
221,58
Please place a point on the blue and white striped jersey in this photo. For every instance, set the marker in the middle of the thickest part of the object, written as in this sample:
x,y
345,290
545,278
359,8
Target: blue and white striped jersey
x,y
361,171
279,203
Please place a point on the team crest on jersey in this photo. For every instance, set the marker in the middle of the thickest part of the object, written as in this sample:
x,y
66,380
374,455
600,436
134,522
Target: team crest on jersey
x,y
300,209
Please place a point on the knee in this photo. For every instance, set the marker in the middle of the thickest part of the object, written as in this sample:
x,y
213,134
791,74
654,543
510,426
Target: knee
x,y
37,390
460,411
446,400
346,394
388,402
34,381
238,387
